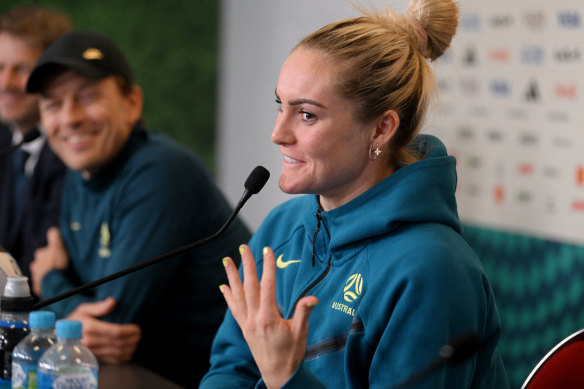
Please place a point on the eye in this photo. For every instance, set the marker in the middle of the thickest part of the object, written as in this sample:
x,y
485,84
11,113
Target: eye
x,y
279,102
87,96
307,116
50,105
23,70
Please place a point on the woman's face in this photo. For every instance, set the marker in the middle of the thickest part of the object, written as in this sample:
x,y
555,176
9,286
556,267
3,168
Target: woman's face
x,y
325,150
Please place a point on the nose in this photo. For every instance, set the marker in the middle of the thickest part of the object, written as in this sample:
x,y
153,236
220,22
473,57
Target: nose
x,y
71,115
281,134
7,79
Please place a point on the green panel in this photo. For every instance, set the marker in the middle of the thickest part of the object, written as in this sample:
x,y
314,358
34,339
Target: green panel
x,y
172,46
539,291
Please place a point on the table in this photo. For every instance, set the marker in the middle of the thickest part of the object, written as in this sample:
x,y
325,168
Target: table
x,y
131,376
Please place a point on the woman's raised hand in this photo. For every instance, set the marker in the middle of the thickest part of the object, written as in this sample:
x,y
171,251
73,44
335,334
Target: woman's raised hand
x,y
277,344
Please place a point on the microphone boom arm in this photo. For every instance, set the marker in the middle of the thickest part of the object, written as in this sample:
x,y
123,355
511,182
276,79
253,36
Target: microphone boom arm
x,y
257,183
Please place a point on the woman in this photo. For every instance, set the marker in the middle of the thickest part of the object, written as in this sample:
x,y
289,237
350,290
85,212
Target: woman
x,y
364,279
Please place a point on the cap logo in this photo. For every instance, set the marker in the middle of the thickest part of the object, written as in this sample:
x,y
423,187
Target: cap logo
x,y
92,54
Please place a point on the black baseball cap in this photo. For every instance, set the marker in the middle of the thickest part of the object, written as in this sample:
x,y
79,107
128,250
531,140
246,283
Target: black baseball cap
x,y
91,55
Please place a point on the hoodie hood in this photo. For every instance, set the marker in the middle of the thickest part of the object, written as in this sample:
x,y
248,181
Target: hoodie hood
x,y
422,192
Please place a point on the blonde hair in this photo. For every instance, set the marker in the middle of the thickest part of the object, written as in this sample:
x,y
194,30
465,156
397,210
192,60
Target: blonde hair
x,y
382,58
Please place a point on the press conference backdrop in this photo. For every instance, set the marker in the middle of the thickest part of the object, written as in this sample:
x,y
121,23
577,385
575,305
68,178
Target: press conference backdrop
x,y
512,113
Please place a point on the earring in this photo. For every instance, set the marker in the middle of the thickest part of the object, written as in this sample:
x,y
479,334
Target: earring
x,y
374,153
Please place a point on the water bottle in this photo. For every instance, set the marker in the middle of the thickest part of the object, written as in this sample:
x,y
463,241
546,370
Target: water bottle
x,y
29,350
68,363
15,305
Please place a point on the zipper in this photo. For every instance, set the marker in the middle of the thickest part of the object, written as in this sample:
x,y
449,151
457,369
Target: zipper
x,y
315,282
332,344
312,285
318,220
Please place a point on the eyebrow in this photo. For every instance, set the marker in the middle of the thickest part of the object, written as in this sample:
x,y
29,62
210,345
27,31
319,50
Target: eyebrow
x,y
301,101
80,88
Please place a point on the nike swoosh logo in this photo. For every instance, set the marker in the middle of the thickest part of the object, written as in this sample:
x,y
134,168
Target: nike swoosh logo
x,y
282,265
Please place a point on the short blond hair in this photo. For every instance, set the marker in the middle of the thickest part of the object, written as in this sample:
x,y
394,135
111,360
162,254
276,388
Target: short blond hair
x,y
382,58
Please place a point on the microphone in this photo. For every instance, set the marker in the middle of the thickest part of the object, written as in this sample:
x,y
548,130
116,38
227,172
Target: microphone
x,y
254,183
457,350
30,135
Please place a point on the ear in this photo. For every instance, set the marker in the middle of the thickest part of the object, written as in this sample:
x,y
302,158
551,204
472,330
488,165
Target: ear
x,y
386,127
135,103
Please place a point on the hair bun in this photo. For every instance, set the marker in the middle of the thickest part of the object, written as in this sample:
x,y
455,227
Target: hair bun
x,y
437,20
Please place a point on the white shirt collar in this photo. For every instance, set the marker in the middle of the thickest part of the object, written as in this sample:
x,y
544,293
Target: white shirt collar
x,y
33,148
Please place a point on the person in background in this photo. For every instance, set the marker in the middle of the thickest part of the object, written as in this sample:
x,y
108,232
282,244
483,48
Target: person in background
x,y
30,177
30,190
129,195
360,282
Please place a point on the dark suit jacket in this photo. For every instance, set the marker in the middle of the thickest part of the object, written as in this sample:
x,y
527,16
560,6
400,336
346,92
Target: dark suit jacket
x,y
41,202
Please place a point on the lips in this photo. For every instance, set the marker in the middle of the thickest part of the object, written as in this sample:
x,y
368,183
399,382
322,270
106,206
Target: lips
x,y
291,160
9,97
78,140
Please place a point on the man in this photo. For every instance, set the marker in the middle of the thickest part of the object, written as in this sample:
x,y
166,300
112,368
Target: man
x,y
30,192
30,177
130,195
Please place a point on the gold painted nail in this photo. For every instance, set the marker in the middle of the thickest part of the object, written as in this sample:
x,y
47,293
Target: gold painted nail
x,y
241,249
221,288
265,250
225,262
310,305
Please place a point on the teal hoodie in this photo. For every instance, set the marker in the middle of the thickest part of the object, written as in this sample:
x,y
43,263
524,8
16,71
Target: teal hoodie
x,y
153,198
395,281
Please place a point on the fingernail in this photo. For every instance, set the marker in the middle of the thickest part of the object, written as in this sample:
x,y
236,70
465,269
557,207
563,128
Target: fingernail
x,y
310,305
225,262
241,249
221,288
265,250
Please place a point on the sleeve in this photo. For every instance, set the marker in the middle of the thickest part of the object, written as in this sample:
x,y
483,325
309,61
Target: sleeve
x,y
303,379
232,364
429,305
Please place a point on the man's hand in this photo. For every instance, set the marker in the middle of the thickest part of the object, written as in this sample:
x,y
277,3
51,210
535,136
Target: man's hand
x,y
52,256
109,342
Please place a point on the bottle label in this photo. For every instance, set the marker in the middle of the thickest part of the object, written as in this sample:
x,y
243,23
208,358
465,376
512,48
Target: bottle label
x,y
10,337
79,380
24,376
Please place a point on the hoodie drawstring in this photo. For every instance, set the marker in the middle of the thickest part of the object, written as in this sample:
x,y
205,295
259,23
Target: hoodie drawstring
x,y
318,219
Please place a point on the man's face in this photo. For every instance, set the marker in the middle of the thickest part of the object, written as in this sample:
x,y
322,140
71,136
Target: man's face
x,y
87,121
17,59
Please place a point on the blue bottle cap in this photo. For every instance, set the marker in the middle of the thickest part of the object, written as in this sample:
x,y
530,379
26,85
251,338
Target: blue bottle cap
x,y
69,329
41,319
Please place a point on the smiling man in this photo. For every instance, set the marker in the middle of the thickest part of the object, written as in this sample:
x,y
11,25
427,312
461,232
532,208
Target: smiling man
x,y
129,195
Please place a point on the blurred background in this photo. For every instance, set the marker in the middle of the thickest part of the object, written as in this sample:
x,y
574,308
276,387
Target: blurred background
x,y
511,112
172,46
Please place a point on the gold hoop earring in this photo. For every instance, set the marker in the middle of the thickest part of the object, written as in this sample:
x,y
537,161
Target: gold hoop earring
x,y
374,153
